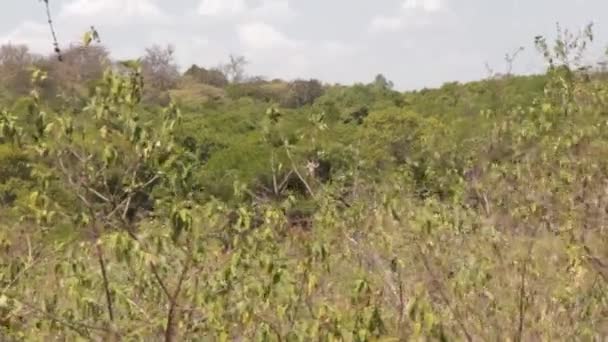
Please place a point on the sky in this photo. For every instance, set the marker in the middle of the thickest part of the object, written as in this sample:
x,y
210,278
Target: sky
x,y
414,43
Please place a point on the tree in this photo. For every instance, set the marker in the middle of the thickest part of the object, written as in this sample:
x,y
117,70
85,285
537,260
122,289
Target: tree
x,y
381,82
234,69
212,77
109,182
15,56
80,65
14,63
159,68
302,93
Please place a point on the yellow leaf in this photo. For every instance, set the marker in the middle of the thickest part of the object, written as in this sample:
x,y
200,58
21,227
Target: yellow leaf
x,y
88,37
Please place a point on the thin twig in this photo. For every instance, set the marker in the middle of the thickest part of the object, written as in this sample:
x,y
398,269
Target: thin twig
x,y
285,180
401,301
104,273
159,280
76,326
126,209
141,310
272,326
443,295
597,264
295,169
125,203
120,205
153,267
73,183
170,331
522,290
274,175
99,195
22,272
522,304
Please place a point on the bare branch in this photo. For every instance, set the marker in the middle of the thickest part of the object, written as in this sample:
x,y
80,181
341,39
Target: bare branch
x,y
442,294
170,331
295,169
78,327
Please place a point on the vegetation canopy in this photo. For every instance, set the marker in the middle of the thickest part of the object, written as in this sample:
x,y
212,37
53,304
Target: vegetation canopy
x,y
140,203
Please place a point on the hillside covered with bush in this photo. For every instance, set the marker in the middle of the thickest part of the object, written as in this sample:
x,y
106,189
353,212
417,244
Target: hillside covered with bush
x,y
138,202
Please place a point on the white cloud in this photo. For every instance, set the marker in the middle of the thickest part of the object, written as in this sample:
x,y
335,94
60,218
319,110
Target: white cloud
x,y
386,24
424,5
275,54
221,7
35,35
112,8
415,14
275,9
260,36
264,9
313,60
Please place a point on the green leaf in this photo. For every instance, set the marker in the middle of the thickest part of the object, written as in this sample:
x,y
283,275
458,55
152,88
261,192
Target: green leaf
x,y
4,302
110,155
181,220
87,38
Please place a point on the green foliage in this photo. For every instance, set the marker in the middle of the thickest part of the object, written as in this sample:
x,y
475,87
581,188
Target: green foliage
x,y
14,174
470,212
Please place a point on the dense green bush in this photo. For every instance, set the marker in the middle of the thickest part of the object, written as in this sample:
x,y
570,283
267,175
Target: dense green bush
x,y
15,173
